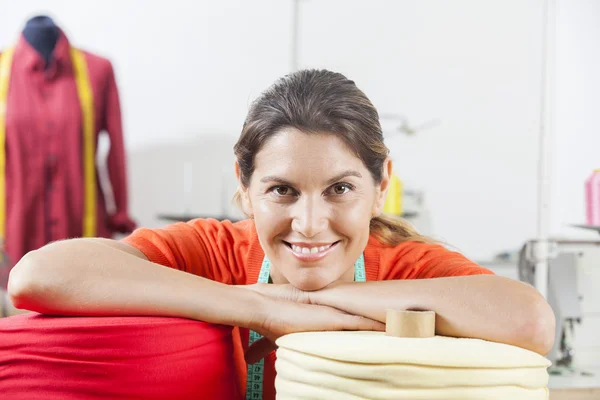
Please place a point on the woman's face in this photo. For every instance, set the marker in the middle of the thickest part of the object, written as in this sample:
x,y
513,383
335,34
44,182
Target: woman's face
x,y
312,200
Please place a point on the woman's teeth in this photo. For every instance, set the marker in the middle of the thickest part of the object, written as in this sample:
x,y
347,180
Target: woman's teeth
x,y
307,250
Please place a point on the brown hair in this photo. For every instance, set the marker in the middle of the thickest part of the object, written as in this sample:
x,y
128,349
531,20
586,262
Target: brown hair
x,y
317,101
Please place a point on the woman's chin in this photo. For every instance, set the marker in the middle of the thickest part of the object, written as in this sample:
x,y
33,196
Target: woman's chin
x,y
310,284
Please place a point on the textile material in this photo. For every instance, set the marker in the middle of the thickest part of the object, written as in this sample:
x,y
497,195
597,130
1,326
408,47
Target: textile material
x,y
231,253
370,365
44,164
85,358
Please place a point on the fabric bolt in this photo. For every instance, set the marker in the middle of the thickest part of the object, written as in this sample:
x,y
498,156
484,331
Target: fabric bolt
x,y
370,365
87,358
231,253
44,164
413,375
306,391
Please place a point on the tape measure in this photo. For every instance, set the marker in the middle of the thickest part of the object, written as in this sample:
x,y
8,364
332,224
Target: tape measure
x,y
256,371
359,269
254,381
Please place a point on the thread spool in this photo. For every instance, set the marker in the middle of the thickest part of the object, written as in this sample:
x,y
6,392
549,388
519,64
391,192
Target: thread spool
x,y
410,324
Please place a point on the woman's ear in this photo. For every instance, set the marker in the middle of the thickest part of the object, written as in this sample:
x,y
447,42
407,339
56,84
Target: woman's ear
x,y
242,193
383,186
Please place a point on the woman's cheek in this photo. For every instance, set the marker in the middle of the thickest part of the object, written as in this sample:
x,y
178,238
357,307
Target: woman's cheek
x,y
269,212
350,217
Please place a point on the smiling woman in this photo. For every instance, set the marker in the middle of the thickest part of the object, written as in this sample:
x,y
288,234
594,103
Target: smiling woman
x,y
315,254
312,215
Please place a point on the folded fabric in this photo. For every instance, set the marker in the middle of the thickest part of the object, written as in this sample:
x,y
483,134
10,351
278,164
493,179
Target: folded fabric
x,y
370,365
45,357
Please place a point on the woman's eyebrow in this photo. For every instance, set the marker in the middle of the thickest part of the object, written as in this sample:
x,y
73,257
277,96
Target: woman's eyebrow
x,y
338,177
343,175
273,178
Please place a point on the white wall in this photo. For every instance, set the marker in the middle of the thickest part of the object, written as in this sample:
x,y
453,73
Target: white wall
x,y
577,142
474,65
188,69
185,68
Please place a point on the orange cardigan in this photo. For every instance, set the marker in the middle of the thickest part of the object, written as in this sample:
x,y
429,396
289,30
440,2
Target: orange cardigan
x,y
230,253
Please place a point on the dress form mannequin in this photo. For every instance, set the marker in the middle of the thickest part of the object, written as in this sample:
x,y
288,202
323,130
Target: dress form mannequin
x,y
48,191
42,34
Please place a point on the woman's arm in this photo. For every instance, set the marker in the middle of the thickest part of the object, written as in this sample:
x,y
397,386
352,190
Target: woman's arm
x,y
102,277
105,277
484,306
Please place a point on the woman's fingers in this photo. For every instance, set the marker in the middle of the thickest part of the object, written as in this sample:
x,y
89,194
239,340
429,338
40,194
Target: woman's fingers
x,y
285,317
259,350
351,322
324,318
359,323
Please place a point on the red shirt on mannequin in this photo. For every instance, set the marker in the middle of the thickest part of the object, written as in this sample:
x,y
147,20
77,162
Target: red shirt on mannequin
x,y
44,166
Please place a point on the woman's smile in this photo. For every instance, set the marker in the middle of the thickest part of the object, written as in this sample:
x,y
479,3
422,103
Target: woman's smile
x,y
311,252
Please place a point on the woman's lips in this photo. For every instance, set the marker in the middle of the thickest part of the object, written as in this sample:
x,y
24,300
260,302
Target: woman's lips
x,y
310,253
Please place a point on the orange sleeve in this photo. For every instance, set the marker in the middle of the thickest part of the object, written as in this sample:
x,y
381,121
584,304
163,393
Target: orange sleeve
x,y
414,260
203,247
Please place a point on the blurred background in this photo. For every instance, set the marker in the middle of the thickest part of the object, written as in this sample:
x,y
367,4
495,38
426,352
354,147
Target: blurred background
x,y
469,70
489,109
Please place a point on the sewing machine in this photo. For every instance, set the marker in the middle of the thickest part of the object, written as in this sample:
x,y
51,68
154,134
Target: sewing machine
x,y
573,268
573,282
573,293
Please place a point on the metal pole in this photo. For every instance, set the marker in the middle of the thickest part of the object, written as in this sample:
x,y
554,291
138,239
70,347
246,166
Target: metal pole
x,y
541,250
295,48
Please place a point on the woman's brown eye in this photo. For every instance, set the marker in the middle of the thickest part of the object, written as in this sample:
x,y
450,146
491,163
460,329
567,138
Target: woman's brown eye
x,y
340,189
281,190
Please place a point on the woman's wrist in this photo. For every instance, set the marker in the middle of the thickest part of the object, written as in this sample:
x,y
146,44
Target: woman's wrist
x,y
329,295
251,307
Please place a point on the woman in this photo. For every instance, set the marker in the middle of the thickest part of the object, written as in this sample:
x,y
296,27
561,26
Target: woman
x,y
313,173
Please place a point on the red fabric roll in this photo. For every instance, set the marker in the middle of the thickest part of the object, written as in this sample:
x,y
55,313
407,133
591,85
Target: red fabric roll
x,y
44,357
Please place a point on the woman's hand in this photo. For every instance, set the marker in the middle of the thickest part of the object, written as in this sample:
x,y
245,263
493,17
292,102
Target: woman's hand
x,y
283,316
281,291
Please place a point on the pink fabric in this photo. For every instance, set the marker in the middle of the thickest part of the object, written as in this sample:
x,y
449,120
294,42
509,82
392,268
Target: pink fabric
x,y
84,358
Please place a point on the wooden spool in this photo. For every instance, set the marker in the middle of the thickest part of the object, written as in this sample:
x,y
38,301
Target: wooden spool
x,y
410,324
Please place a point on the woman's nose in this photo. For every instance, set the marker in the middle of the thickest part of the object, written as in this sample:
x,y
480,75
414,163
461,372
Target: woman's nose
x,y
309,217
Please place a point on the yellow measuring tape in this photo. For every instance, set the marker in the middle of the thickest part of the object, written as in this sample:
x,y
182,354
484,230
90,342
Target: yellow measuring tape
x,y
5,64
86,100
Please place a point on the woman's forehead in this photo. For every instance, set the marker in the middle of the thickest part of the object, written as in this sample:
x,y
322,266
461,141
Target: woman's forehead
x,y
292,147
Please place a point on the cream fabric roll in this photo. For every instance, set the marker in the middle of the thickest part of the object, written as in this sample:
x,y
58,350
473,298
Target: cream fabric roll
x,y
376,348
370,365
290,363
290,390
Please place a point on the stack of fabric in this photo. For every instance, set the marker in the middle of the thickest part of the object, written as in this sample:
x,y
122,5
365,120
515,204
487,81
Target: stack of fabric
x,y
90,358
370,365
